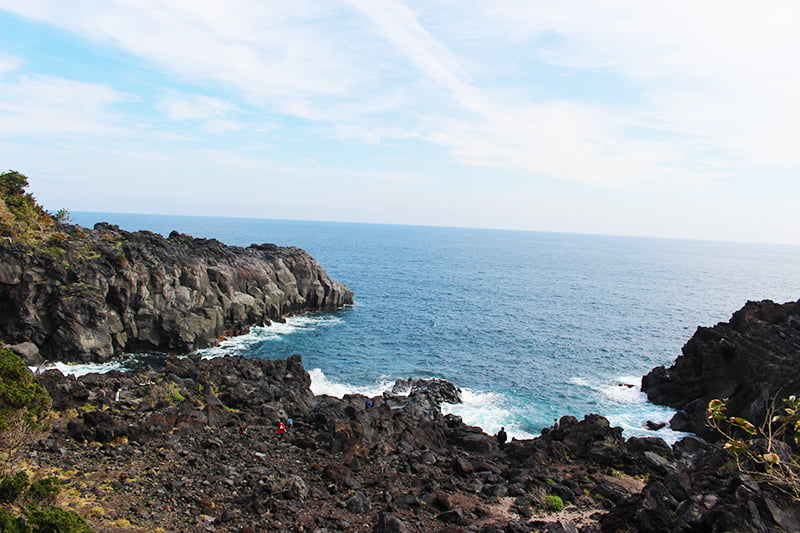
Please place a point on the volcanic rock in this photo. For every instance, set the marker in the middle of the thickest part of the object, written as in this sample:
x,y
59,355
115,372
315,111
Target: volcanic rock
x,y
105,291
753,360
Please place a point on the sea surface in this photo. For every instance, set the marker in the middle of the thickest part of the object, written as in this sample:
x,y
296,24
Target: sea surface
x,y
530,325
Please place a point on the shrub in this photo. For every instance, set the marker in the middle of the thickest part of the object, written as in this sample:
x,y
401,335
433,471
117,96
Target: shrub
x,y
554,503
45,488
766,452
56,520
12,524
12,485
23,404
19,393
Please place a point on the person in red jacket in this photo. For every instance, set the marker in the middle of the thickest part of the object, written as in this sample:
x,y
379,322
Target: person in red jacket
x,y
281,429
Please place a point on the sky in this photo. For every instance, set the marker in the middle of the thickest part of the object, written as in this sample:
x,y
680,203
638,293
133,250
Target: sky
x,y
667,119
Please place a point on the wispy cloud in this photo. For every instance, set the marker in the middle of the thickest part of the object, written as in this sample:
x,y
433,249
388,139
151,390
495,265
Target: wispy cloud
x,y
40,104
625,96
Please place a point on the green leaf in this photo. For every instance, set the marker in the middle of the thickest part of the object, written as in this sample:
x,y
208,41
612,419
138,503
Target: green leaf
x,y
743,424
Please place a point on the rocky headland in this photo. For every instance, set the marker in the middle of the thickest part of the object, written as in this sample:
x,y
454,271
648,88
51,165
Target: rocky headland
x,y
88,295
753,360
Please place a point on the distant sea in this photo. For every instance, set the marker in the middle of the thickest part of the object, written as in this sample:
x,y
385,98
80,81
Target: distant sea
x,y
530,325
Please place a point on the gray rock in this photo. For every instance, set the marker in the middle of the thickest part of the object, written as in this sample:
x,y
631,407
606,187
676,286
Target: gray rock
x,y
388,523
358,503
29,353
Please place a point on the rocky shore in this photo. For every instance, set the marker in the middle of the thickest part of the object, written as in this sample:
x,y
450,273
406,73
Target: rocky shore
x,y
753,360
194,446
88,295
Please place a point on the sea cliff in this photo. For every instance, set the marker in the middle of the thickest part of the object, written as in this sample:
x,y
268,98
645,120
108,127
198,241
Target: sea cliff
x,y
88,295
753,360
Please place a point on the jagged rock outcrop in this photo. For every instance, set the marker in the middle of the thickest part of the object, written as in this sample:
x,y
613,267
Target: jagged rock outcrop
x,y
192,445
90,294
752,360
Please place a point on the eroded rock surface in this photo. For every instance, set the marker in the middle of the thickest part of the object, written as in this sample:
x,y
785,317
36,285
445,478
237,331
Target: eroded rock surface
x,y
91,294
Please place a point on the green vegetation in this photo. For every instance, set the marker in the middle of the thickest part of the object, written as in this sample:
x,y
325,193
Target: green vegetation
x,y
12,486
12,524
765,453
21,218
554,503
56,520
24,405
46,488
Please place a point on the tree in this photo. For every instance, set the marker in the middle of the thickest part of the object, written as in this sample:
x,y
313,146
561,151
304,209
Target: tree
x,y
21,218
12,183
768,453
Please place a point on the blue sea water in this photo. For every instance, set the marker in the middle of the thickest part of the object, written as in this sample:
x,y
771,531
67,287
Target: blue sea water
x,y
531,325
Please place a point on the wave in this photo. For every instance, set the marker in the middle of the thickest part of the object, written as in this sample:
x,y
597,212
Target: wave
x,y
490,411
624,404
321,385
277,331
81,369
487,410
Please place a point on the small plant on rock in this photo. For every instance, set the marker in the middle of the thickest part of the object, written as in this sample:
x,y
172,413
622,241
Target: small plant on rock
x,y
554,503
765,453
12,524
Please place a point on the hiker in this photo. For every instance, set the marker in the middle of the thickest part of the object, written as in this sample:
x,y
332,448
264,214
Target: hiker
x,y
502,437
281,429
289,425
101,398
368,404
117,389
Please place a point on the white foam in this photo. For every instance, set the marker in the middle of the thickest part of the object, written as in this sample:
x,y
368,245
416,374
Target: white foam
x,y
320,384
625,405
241,344
81,369
487,410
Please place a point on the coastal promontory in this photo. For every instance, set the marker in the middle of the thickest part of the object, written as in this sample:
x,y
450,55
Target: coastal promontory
x,y
79,294
752,360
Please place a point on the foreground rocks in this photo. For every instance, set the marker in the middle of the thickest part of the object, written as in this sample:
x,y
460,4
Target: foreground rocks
x,y
86,295
752,360
193,446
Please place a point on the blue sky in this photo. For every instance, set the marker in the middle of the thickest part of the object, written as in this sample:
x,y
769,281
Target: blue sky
x,y
673,119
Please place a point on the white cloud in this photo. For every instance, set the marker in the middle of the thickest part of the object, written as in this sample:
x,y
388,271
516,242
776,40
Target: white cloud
x,y
721,72
8,63
50,105
181,106
712,85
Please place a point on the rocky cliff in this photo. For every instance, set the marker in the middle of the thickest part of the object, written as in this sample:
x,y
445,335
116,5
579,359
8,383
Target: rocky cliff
x,y
86,295
753,359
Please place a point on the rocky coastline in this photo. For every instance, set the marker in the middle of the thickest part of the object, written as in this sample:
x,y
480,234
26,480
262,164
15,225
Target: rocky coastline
x,y
194,446
88,295
753,360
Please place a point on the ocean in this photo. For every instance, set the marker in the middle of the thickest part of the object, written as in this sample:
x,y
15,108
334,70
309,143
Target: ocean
x,y
530,325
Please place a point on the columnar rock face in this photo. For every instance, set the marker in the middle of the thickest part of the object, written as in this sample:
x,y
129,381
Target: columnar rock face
x,y
87,295
751,360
